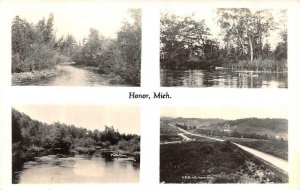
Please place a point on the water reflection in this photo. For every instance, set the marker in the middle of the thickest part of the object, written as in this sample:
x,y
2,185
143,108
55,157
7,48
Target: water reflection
x,y
78,169
222,78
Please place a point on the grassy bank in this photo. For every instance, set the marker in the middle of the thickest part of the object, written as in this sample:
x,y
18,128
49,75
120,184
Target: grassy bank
x,y
211,162
114,78
276,148
261,65
112,150
18,78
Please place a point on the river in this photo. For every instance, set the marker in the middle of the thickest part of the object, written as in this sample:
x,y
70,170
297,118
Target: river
x,y
97,168
71,75
222,78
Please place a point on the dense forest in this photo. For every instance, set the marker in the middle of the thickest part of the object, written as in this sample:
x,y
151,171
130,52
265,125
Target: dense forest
x,y
31,138
35,47
187,42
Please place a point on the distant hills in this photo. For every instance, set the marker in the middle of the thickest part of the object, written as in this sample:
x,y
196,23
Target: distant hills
x,y
199,122
267,126
262,126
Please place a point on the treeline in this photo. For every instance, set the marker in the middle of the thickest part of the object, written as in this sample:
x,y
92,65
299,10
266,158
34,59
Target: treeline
x,y
187,42
32,138
237,134
121,56
185,126
255,128
267,124
36,47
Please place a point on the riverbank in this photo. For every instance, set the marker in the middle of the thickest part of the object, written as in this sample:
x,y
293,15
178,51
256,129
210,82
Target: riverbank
x,y
113,150
258,65
113,78
61,169
19,78
21,155
68,74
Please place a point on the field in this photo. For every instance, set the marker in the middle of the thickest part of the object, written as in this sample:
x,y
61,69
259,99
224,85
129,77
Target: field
x,y
170,138
211,162
169,133
274,147
196,138
167,129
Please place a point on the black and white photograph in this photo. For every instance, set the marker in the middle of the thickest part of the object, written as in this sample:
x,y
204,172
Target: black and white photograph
x,y
223,47
55,144
150,94
223,145
65,45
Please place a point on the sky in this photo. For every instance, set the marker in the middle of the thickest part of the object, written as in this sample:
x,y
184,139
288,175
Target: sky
x,y
209,15
75,19
230,113
123,118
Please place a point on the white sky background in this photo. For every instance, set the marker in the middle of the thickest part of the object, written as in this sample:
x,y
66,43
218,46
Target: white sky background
x,y
209,14
230,113
123,118
75,19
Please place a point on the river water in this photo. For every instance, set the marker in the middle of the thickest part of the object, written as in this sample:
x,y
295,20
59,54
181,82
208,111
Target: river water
x,y
98,168
71,75
222,78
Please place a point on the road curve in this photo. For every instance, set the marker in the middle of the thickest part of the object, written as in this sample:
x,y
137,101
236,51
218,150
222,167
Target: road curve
x,y
277,162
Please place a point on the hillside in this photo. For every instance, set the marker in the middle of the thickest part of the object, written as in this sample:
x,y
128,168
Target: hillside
x,y
267,126
198,122
212,162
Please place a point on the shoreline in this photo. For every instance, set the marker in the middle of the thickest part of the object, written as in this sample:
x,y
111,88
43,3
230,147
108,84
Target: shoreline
x,y
20,156
115,79
233,69
18,78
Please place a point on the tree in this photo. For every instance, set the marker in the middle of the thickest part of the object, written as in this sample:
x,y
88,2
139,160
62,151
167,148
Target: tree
x,y
182,39
129,45
266,51
67,46
22,38
91,50
245,29
33,46
16,130
281,48
48,33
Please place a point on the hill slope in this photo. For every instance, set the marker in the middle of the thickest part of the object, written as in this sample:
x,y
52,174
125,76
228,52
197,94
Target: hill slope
x,y
267,126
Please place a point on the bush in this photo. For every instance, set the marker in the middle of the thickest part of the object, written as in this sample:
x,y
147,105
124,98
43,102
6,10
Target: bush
x,y
132,145
85,142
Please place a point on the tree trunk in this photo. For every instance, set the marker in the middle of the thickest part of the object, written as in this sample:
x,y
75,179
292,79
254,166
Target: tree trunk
x,y
251,47
251,51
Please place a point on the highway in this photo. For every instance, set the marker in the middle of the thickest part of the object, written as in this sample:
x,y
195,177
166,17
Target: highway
x,y
277,162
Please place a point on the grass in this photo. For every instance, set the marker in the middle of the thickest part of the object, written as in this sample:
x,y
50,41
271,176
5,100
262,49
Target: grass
x,y
18,78
211,162
165,128
274,147
197,138
169,138
268,65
